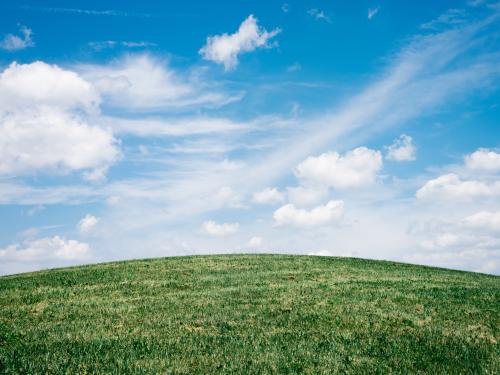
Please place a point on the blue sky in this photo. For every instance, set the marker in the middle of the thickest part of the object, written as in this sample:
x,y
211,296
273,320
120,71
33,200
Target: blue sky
x,y
140,129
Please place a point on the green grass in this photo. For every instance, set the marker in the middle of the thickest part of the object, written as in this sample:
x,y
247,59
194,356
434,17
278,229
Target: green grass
x,y
249,314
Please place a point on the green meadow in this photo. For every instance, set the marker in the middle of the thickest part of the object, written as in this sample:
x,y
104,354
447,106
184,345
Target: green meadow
x,y
250,314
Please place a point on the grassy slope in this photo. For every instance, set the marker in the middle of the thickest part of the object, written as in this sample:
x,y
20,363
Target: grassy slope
x,y
250,314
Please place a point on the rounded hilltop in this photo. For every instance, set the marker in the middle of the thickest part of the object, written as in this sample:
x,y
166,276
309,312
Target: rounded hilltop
x,y
249,314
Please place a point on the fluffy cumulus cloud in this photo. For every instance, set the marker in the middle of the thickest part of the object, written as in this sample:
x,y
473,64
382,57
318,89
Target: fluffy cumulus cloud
x,y
321,215
476,179
268,196
402,149
483,160
451,187
87,223
224,49
44,113
13,42
469,243
53,141
357,168
40,84
465,235
219,230
46,249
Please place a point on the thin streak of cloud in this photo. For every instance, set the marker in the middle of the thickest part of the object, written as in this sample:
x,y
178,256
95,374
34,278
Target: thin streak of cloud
x,y
106,44
88,12
452,17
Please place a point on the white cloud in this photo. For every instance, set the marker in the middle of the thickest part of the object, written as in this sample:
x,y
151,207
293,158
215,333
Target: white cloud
x,y
356,168
427,74
220,230
87,223
372,12
469,243
102,45
291,215
305,196
178,127
89,12
95,175
450,187
14,42
319,14
402,149
328,253
268,196
43,124
24,194
224,49
413,84
465,235
476,260
51,140
255,242
452,17
475,180
483,160
448,240
46,249
145,83
484,220
40,84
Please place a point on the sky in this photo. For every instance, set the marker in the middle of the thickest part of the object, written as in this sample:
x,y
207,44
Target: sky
x,y
147,129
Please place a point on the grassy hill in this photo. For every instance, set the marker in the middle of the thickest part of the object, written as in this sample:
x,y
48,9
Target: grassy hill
x,y
250,314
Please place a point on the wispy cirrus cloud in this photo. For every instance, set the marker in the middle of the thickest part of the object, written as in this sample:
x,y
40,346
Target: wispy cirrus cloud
x,y
146,83
450,18
319,15
106,44
426,65
87,12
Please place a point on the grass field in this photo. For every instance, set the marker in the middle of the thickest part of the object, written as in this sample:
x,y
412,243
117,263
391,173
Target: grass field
x,y
250,314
